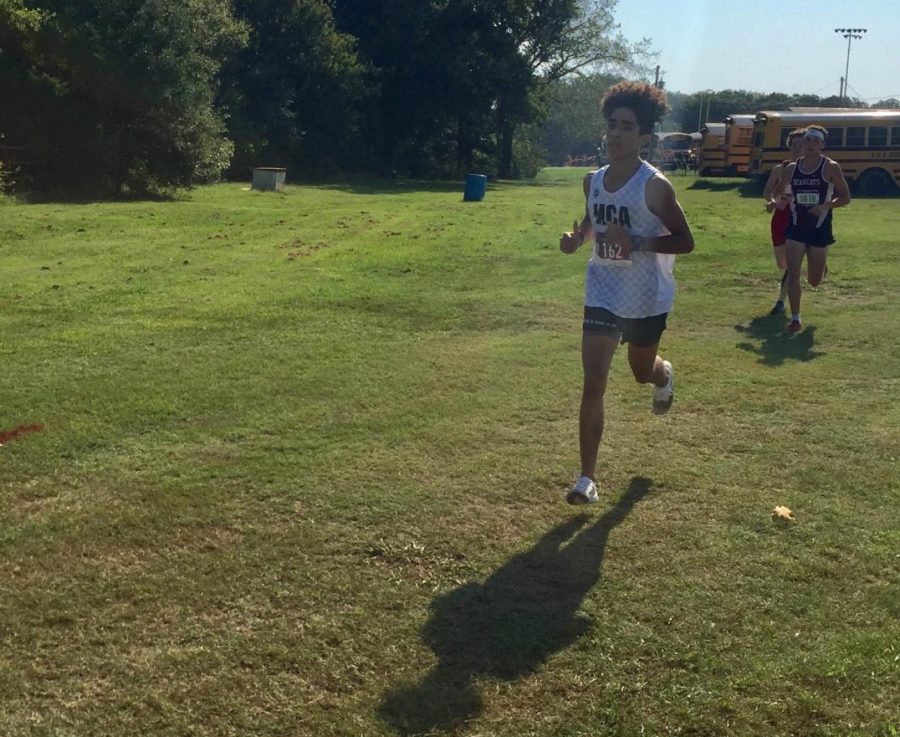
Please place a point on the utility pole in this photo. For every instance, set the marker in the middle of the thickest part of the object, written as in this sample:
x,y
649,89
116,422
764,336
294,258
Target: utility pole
x,y
849,34
656,83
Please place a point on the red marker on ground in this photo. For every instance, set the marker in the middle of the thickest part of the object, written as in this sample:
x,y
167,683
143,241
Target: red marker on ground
x,y
7,435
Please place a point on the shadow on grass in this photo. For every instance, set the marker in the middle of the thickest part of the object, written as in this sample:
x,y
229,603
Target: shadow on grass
x,y
509,625
87,197
775,344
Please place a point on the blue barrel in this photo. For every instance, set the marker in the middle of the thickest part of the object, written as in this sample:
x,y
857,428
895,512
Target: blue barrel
x,y
476,184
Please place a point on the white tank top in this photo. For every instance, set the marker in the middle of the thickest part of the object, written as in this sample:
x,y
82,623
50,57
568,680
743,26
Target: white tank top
x,y
644,287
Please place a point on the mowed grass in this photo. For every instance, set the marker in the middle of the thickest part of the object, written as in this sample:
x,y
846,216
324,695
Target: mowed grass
x,y
303,461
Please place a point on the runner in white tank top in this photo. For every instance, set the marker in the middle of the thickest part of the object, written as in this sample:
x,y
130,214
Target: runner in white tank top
x,y
636,226
642,284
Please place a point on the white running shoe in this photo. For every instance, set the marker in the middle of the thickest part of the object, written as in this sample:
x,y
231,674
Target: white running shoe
x,y
664,395
584,492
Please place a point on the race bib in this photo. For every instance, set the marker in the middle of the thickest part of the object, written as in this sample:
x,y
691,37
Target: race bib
x,y
807,198
610,254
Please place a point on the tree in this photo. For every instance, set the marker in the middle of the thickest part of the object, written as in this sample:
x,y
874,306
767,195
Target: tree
x,y
294,90
544,41
709,105
430,102
119,95
574,126
16,18
465,75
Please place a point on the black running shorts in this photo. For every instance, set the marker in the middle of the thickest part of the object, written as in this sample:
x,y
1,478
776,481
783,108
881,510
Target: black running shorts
x,y
640,331
806,232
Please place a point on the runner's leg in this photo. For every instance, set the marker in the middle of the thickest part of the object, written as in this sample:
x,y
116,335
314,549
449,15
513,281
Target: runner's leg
x,y
646,365
816,263
780,253
597,351
795,253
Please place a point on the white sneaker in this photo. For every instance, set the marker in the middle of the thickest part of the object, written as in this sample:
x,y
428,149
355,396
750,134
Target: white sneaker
x,y
663,396
584,492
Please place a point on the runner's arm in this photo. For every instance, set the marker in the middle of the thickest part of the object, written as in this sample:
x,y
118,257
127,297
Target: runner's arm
x,y
662,202
835,175
571,241
773,184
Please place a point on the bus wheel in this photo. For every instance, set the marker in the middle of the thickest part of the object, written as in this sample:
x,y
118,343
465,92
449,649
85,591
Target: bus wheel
x,y
873,182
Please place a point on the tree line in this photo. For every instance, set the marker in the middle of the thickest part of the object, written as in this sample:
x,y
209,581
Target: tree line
x,y
573,128
144,95
148,95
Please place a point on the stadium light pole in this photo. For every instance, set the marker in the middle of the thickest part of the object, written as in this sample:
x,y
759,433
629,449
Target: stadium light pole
x,y
849,34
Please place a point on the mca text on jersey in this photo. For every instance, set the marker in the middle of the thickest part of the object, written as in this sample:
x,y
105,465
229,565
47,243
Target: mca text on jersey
x,y
611,215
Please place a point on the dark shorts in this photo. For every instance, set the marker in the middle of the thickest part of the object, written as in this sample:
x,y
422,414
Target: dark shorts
x,y
806,232
640,331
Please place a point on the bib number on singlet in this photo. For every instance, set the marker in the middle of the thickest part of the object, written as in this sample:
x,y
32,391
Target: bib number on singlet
x,y
610,254
807,198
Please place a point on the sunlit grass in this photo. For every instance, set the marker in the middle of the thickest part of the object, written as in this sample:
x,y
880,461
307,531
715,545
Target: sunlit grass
x,y
303,458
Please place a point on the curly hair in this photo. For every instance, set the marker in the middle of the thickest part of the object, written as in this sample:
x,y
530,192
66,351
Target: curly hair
x,y
647,102
794,134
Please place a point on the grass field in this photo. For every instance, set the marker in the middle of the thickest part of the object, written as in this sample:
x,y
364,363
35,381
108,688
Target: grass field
x,y
303,457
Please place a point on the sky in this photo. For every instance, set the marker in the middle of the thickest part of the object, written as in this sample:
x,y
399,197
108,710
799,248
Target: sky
x,y
770,45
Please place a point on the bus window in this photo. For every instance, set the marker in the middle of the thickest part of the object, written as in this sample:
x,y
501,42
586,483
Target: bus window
x,y
895,136
835,138
878,137
784,135
856,137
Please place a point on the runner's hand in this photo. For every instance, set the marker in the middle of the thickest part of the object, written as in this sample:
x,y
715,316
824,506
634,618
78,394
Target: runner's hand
x,y
570,242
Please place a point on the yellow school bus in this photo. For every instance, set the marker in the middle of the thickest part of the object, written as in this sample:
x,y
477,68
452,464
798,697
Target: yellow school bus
x,y
738,141
866,143
671,150
713,156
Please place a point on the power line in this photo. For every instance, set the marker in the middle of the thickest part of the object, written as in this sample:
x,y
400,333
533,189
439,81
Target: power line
x,y
854,91
825,87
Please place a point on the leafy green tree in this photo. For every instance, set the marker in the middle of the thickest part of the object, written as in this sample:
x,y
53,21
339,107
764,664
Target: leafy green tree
x,y
464,75
119,95
709,105
548,40
574,127
423,57
295,90
16,17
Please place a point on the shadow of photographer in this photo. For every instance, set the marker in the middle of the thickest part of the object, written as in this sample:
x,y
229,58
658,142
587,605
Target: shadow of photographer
x,y
775,345
506,627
